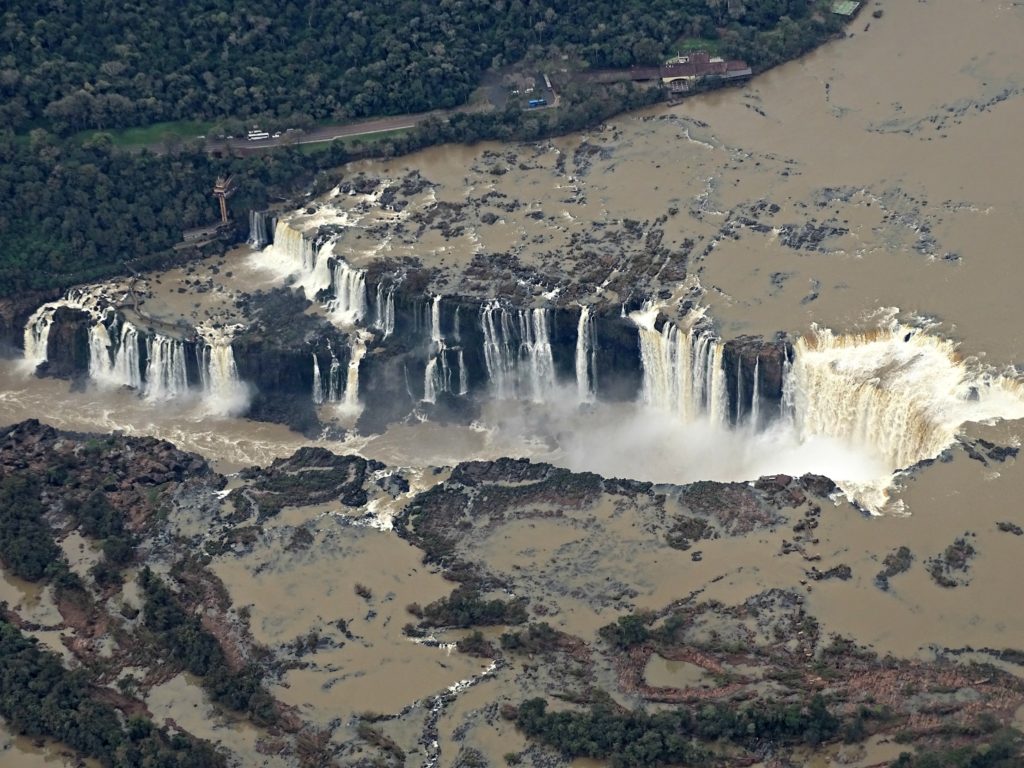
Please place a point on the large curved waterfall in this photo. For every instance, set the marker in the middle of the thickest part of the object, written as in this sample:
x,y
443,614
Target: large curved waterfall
x,y
897,390
857,407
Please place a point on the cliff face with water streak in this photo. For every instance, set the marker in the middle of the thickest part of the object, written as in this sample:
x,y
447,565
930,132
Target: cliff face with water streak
x,y
440,354
755,370
67,344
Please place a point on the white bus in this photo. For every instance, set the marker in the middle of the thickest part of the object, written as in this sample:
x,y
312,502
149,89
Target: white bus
x,y
258,135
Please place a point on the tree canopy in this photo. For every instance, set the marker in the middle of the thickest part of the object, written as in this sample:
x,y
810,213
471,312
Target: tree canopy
x,y
99,63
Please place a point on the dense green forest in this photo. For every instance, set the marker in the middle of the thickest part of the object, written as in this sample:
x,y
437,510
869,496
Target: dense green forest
x,y
673,737
78,212
191,645
40,698
102,64
83,210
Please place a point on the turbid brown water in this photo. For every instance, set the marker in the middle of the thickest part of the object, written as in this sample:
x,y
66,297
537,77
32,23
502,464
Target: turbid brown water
x,y
892,153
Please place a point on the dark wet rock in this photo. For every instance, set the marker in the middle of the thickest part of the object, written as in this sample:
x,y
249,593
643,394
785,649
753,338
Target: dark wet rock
x,y
14,314
1007,527
896,562
311,475
841,572
984,451
686,530
736,508
67,348
949,568
741,358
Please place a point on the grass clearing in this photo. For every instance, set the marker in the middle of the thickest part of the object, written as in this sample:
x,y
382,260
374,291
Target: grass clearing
x,y
686,45
149,135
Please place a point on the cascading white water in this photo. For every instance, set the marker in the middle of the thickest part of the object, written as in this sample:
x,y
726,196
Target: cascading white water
x,y
293,254
259,231
437,376
334,389
357,351
435,321
224,393
535,350
517,352
318,385
739,391
349,288
166,373
497,354
316,269
682,368
586,356
433,380
463,374
384,310
755,398
37,335
897,391
127,367
101,364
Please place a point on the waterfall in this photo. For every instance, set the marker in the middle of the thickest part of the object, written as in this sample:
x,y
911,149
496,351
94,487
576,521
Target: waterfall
x,y
497,355
349,288
166,374
127,368
457,331
739,391
357,350
318,385
536,350
463,374
755,398
586,356
435,321
295,247
37,334
517,351
437,377
384,310
896,391
334,389
431,381
101,364
223,391
682,369
293,253
259,229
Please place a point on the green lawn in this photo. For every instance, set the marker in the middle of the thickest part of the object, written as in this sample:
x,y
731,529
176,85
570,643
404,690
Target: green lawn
x,y
691,44
149,135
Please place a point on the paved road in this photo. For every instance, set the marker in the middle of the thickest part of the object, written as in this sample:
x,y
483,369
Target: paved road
x,y
325,133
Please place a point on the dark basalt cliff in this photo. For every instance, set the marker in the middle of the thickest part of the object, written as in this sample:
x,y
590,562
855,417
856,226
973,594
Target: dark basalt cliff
x,y
274,356
14,314
67,347
741,357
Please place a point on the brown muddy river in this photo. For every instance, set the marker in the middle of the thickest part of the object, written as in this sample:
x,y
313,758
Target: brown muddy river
x,y
900,142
